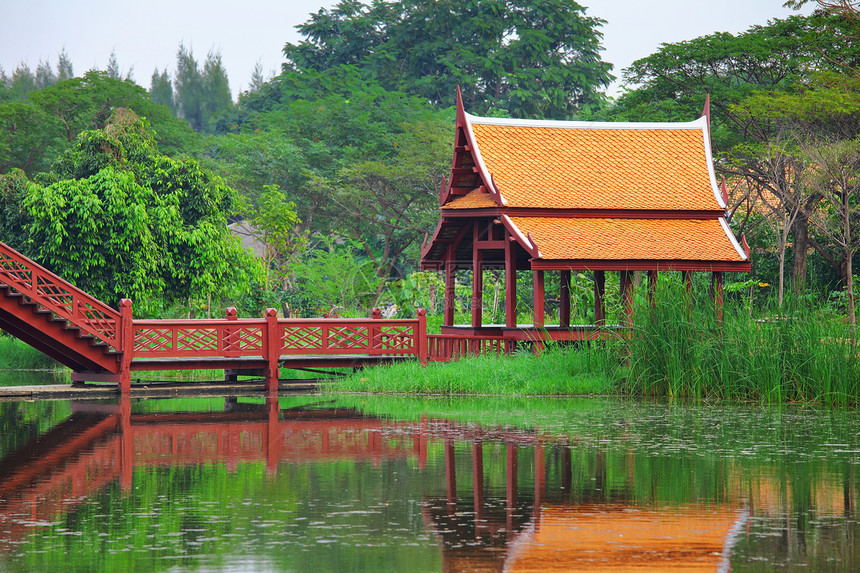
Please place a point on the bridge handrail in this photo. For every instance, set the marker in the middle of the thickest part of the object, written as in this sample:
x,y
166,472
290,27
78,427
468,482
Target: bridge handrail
x,y
59,296
235,337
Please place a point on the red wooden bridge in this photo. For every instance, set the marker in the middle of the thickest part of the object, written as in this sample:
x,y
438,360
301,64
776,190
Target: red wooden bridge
x,y
102,344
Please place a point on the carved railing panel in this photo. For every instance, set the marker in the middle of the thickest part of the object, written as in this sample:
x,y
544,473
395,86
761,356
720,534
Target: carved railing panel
x,y
62,298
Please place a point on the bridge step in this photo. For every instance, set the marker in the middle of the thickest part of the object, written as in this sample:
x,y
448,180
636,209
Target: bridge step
x,y
44,320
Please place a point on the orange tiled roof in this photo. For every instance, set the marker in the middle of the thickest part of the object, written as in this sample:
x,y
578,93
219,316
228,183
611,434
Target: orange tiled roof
x,y
578,165
473,200
625,239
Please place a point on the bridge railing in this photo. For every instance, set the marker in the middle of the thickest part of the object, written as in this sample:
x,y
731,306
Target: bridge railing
x,y
235,337
59,296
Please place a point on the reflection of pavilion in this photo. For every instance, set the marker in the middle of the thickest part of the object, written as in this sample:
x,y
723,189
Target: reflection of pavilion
x,y
542,530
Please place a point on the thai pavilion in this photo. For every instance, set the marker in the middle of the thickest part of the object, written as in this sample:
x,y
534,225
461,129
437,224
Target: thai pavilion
x,y
562,196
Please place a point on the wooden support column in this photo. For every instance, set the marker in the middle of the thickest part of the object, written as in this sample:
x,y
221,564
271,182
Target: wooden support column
x,y
564,300
477,281
718,295
125,344
448,319
538,321
688,282
510,283
652,288
599,298
273,351
626,284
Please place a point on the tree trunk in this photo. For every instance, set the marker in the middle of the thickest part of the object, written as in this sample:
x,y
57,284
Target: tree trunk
x,y
800,228
781,289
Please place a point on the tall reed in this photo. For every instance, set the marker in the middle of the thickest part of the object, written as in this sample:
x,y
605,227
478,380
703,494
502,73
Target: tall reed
x,y
799,353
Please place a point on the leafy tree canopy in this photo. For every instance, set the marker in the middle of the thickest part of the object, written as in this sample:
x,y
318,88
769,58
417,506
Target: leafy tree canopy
x,y
34,132
528,58
122,220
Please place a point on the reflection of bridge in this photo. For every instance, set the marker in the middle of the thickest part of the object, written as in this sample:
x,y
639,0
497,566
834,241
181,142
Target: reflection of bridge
x,y
535,524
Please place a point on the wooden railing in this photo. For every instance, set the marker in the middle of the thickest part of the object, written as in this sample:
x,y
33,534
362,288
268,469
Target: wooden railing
x,y
448,347
271,337
60,297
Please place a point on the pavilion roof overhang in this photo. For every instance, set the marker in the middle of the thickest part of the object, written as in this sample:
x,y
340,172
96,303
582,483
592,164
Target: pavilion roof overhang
x,y
583,195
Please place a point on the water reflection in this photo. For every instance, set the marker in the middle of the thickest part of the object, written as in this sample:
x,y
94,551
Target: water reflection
x,y
281,485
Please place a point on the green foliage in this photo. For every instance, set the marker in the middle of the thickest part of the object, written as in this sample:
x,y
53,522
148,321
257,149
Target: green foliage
x,y
122,220
532,59
14,218
35,132
202,96
332,277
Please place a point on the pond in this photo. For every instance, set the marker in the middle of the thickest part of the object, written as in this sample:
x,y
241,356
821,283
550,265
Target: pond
x,y
365,483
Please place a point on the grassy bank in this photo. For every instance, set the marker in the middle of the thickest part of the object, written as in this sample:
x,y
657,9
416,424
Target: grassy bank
x,y
796,354
557,371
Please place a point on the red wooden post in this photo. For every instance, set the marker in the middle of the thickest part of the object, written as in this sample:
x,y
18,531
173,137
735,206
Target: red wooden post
x,y
652,288
626,285
510,283
538,321
273,351
564,302
599,297
125,334
448,319
421,337
718,295
688,282
477,283
230,375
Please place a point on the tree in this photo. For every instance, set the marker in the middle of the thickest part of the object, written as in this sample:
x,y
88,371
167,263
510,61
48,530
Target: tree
x,y
189,89
123,220
64,67
273,223
775,58
836,177
387,205
161,90
217,100
34,133
528,58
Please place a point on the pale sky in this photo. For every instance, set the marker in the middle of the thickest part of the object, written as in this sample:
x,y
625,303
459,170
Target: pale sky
x,y
146,35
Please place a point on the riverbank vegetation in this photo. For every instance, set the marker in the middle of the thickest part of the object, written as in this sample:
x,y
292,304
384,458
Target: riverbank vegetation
x,y
311,193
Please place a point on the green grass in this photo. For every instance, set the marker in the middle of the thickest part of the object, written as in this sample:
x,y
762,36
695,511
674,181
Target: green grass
x,y
558,371
800,354
17,355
